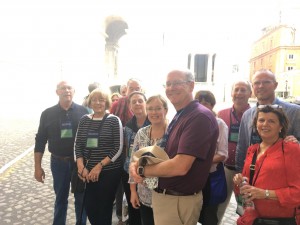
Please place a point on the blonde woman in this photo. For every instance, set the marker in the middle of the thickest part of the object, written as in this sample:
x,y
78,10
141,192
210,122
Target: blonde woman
x,y
98,147
141,194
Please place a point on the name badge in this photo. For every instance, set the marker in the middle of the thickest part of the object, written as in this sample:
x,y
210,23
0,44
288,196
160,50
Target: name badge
x,y
255,138
92,139
130,150
234,133
66,130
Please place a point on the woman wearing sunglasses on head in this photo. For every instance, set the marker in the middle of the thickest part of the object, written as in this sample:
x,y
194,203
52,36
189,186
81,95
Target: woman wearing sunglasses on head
x,y
272,170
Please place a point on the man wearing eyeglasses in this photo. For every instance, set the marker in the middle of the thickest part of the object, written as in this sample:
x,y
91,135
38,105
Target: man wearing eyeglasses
x,y
264,85
191,143
58,127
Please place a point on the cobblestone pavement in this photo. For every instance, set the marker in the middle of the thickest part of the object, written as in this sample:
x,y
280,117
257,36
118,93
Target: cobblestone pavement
x,y
23,200
16,135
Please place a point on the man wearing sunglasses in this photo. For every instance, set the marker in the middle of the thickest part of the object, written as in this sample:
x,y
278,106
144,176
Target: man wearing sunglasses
x,y
264,85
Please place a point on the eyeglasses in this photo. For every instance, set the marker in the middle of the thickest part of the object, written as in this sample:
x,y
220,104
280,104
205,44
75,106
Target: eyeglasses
x,y
262,82
98,100
175,83
158,109
64,88
270,106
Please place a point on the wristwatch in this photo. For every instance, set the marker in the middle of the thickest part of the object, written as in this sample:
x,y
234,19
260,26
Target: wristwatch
x,y
267,194
141,171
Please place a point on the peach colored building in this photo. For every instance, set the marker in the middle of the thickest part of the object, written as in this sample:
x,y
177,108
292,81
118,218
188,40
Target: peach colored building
x,y
278,50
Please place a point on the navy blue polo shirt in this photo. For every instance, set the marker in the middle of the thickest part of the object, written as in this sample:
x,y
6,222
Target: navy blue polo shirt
x,y
58,127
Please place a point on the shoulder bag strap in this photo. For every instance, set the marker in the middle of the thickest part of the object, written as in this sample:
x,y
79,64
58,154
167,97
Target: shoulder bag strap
x,y
252,167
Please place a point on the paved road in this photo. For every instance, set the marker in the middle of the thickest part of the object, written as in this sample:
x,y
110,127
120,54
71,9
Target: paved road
x,y
16,135
23,200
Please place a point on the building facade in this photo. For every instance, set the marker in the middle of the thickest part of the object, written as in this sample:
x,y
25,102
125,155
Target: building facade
x,y
279,51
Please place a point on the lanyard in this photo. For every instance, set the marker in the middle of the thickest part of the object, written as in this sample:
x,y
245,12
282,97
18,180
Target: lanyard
x,y
93,136
234,128
235,117
170,127
254,137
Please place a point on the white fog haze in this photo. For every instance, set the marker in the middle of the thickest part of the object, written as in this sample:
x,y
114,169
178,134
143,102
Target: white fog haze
x,y
43,42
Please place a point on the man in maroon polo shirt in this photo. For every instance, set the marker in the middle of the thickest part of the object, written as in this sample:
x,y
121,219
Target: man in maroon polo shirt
x,y
191,143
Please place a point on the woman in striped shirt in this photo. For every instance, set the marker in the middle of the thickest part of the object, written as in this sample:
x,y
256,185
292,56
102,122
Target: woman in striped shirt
x,y
98,147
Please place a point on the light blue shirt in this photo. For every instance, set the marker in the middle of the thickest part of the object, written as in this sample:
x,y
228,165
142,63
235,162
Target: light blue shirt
x,y
293,114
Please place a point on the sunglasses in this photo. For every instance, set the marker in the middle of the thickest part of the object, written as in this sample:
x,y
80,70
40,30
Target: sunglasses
x,y
270,106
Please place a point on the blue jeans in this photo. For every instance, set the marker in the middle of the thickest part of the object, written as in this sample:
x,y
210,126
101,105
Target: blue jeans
x,y
61,172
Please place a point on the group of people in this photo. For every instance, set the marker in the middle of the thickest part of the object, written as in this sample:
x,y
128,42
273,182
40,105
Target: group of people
x,y
259,143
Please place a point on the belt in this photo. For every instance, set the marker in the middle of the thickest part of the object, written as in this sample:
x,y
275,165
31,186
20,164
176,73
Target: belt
x,y
63,158
230,167
171,192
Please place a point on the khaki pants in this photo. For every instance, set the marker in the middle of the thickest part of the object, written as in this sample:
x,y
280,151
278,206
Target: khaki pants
x,y
176,210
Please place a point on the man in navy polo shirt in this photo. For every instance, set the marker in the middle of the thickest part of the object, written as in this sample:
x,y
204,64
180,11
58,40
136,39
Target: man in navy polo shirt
x,y
58,126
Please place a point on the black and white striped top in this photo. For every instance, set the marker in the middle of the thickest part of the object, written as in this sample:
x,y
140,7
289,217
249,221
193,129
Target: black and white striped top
x,y
110,141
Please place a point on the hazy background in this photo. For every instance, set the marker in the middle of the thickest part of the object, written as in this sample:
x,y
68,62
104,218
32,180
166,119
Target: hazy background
x,y
43,42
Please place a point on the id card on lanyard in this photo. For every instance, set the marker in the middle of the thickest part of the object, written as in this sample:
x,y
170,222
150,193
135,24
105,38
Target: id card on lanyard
x,y
93,134
66,130
92,139
130,150
254,138
234,133
234,129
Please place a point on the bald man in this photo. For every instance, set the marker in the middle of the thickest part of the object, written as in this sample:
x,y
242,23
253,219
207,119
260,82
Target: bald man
x,y
58,127
264,85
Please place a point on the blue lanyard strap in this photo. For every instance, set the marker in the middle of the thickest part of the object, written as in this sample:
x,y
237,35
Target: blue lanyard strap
x,y
170,128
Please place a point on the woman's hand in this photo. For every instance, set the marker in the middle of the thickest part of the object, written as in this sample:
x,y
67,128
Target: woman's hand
x,y
250,192
133,172
134,199
93,175
81,170
83,173
238,179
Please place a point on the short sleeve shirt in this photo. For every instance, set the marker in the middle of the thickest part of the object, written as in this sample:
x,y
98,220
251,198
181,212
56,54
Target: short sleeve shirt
x,y
195,133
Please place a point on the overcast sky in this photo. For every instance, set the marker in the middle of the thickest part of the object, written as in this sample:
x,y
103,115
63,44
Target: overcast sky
x,y
43,41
